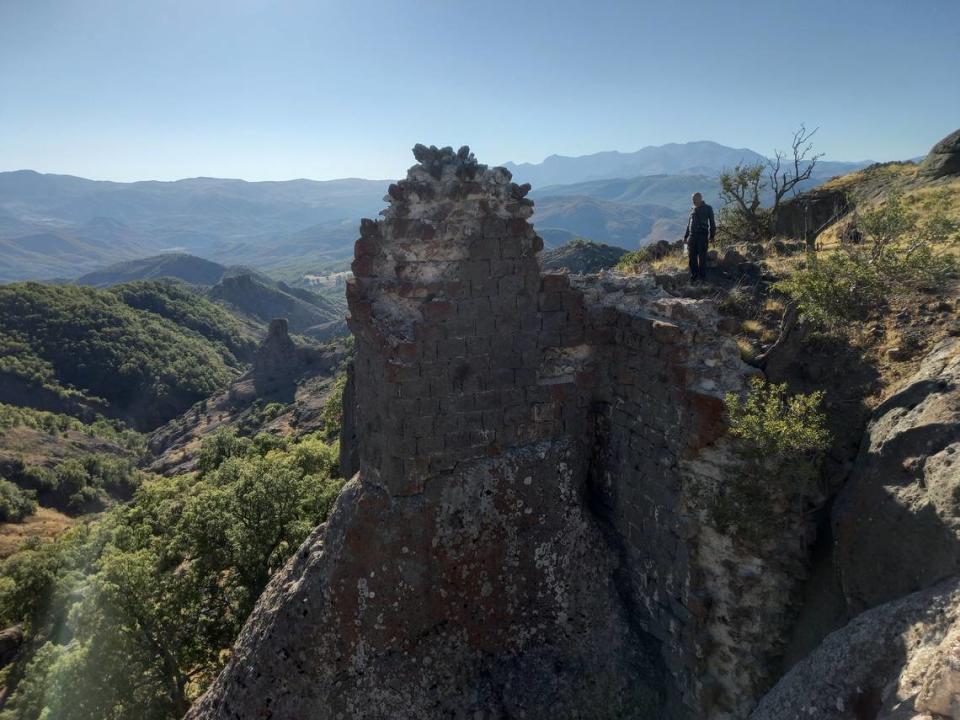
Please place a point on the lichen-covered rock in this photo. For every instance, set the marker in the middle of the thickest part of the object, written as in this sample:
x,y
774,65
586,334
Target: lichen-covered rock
x,y
894,662
897,522
515,542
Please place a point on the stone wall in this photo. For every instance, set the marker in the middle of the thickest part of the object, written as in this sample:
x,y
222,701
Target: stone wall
x,y
518,540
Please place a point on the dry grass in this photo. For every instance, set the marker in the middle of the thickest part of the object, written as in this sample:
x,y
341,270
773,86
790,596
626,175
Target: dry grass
x,y
773,305
45,524
922,198
670,263
876,179
747,350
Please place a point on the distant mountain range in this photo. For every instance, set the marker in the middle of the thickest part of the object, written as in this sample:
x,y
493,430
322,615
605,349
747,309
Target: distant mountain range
x,y
693,158
60,226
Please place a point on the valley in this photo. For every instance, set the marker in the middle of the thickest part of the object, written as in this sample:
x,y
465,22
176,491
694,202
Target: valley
x,y
181,439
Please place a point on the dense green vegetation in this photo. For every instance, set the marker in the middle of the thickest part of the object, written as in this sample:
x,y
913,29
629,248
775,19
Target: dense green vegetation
x,y
173,301
131,615
333,408
15,502
83,484
57,424
79,477
779,440
901,251
76,341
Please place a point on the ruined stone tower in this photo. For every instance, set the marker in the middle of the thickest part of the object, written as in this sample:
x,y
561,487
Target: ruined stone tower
x,y
516,541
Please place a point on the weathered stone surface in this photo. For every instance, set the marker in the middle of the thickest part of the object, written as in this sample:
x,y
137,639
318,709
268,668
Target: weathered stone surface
x,y
277,349
732,259
897,522
894,662
806,215
516,542
944,158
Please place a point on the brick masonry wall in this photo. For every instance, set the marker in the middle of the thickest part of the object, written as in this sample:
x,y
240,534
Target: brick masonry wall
x,y
517,540
465,349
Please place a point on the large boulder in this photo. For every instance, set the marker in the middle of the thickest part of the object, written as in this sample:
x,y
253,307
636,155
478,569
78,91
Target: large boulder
x,y
896,662
944,158
897,522
806,215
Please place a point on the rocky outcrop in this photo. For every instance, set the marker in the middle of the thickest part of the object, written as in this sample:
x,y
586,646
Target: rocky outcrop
x,y
808,214
11,639
296,380
944,158
900,510
582,256
519,539
899,661
277,354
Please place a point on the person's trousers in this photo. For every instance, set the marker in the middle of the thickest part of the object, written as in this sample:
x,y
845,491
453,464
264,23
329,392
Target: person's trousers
x,y
697,250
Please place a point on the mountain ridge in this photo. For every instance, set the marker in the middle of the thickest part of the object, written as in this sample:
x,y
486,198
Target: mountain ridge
x,y
305,225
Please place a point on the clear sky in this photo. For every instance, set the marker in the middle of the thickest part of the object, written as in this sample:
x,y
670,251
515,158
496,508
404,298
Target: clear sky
x,y
278,89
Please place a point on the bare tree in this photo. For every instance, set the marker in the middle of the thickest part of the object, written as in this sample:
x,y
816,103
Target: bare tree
x,y
784,178
743,188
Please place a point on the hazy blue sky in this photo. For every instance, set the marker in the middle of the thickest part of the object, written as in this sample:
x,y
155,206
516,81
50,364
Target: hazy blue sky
x,y
276,89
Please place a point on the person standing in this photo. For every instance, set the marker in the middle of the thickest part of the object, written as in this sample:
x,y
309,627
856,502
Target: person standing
x,y
701,231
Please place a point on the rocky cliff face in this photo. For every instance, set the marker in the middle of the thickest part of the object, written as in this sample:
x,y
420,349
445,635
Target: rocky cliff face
x,y
901,507
805,216
896,533
519,538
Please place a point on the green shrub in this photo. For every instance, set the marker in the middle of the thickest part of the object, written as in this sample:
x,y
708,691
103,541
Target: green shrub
x,y
900,252
736,226
634,262
56,424
84,483
779,440
218,448
333,408
835,289
15,502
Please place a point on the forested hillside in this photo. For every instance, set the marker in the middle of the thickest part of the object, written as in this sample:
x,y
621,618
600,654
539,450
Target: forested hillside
x,y
122,591
143,353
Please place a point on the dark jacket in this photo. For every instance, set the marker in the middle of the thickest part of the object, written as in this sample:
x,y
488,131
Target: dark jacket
x,y
701,223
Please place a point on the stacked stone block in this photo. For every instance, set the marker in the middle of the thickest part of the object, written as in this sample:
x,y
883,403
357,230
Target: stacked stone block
x,y
517,541
452,317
